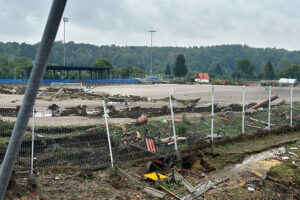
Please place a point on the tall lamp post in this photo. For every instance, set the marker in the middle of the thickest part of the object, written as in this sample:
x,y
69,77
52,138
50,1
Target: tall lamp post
x,y
151,32
65,19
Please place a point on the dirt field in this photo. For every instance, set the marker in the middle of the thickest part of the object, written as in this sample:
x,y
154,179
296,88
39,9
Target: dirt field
x,y
224,95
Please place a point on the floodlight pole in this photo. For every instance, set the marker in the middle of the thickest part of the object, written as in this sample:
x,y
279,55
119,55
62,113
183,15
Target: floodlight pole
x,y
31,91
151,32
65,19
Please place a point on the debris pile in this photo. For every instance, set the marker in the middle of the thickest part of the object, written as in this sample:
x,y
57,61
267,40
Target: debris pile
x,y
12,90
254,108
68,93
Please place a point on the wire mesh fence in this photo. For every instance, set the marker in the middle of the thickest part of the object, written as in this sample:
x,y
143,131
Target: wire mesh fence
x,y
69,128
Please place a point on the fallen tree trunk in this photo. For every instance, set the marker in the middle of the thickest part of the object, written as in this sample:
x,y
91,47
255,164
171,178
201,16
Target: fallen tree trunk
x,y
253,108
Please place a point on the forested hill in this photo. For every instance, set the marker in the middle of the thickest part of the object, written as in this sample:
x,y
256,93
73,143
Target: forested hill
x,y
198,59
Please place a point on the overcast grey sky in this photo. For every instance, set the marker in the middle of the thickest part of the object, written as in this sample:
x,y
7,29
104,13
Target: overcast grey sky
x,y
257,23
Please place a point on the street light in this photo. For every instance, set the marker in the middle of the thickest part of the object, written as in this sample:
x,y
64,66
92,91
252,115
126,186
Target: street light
x,y
65,19
151,31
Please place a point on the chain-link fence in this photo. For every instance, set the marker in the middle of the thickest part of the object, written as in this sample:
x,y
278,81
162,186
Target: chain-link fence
x,y
142,122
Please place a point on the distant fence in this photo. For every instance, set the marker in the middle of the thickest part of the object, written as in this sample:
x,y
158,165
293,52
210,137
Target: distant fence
x,y
24,81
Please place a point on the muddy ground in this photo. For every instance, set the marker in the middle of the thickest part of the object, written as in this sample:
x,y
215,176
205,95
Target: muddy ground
x,y
71,183
224,95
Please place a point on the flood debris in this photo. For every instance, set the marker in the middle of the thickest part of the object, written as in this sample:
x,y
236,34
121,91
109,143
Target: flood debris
x,y
142,119
263,175
12,90
52,93
251,187
253,109
186,184
260,121
155,176
170,140
154,192
80,110
202,188
171,193
123,174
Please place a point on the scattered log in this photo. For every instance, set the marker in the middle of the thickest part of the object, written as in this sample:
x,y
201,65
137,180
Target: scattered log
x,y
170,140
253,126
259,175
256,120
253,108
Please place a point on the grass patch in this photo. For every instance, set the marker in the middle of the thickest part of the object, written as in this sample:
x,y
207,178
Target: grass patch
x,y
235,152
288,172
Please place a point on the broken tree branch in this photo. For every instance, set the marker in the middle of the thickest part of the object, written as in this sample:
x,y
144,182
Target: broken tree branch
x,y
253,108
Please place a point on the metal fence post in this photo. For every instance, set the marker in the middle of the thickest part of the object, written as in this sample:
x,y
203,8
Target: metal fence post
x,y
173,123
32,142
291,111
108,135
212,113
269,110
31,91
243,113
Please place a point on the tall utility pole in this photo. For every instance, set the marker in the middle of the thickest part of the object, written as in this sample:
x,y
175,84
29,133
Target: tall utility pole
x,y
151,31
33,85
65,19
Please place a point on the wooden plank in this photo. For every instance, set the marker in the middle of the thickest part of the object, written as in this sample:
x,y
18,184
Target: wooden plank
x,y
186,184
122,173
203,188
154,192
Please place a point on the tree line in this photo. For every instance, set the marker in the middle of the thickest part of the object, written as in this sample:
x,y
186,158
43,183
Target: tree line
x,y
222,61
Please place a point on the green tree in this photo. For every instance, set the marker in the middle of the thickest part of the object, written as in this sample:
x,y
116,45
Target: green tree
x,y
284,63
129,71
291,72
217,70
246,67
180,68
102,62
17,63
168,70
268,72
3,61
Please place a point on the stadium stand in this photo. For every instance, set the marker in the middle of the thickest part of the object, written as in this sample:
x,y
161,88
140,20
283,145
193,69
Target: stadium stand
x,y
10,81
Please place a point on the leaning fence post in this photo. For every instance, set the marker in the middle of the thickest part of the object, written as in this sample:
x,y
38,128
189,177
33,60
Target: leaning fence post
x,y
243,113
108,135
269,110
212,114
291,111
32,142
173,123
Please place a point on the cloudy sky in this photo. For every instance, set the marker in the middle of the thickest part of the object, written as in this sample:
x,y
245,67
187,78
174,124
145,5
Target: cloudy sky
x,y
257,23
